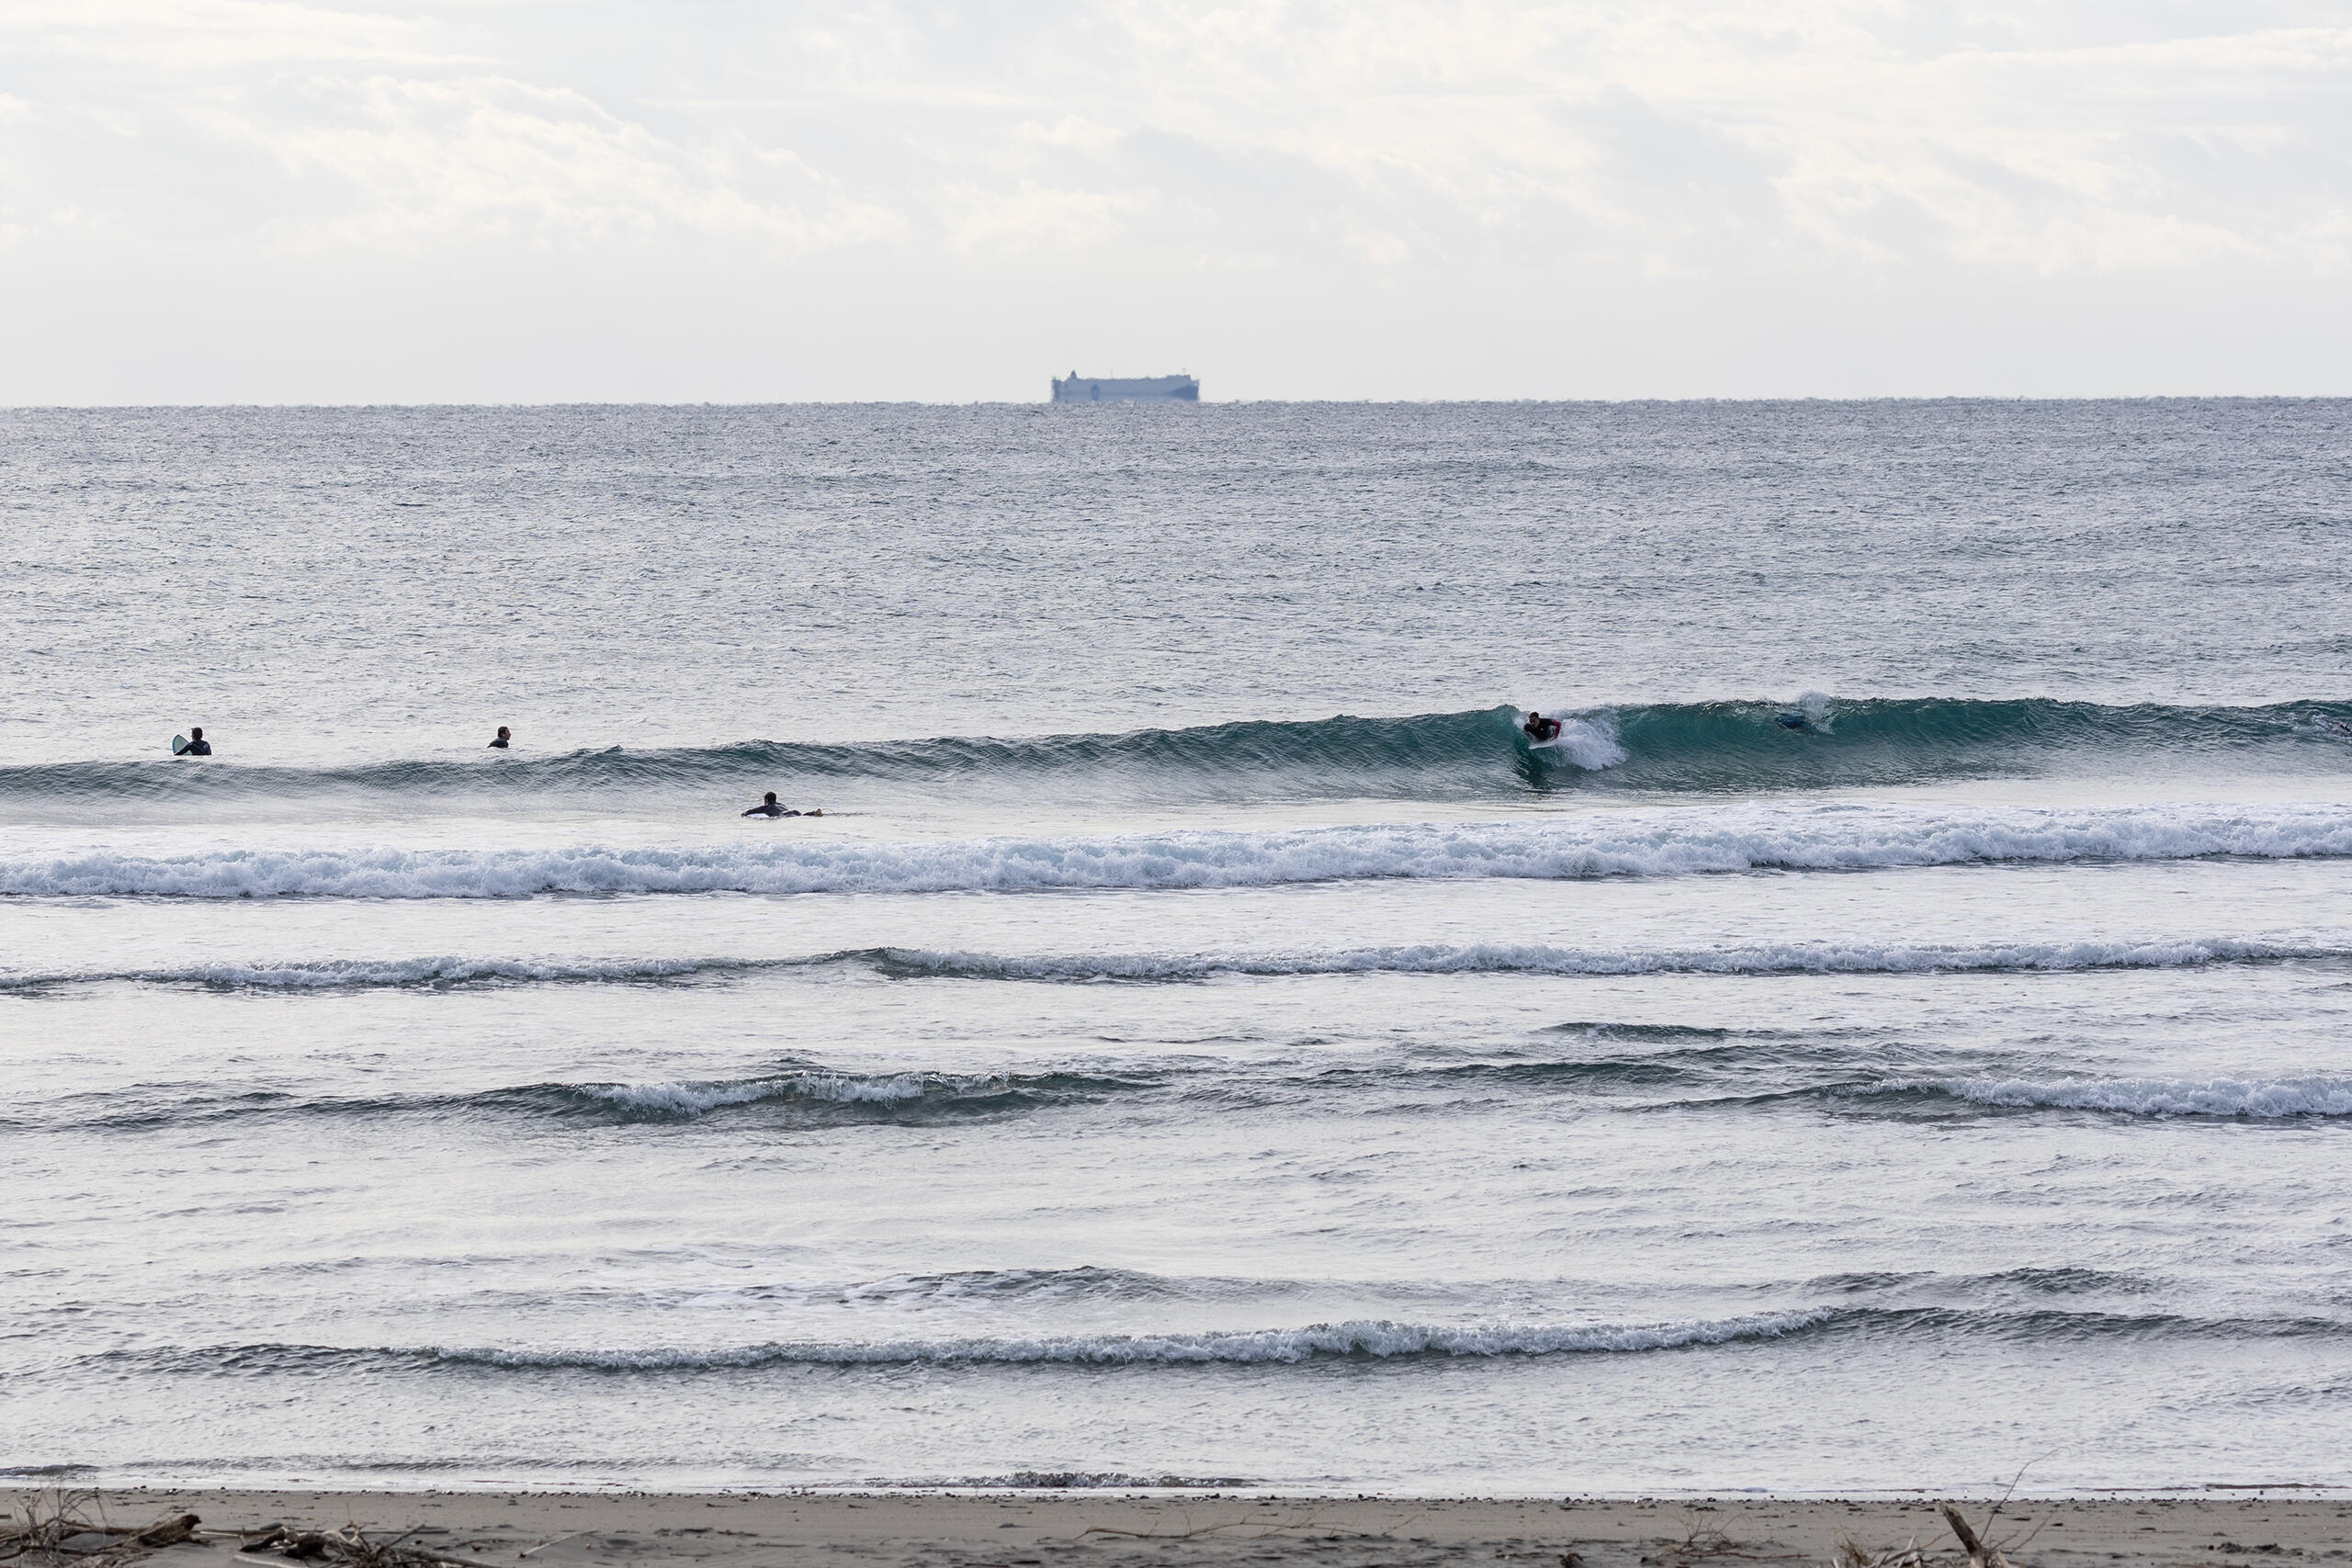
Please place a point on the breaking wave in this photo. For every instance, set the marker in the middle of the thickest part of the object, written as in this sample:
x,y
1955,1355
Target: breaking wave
x,y
1660,842
1711,746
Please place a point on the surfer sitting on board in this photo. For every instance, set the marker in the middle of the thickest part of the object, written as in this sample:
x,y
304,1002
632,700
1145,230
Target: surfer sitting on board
x,y
1538,727
768,807
503,739
198,746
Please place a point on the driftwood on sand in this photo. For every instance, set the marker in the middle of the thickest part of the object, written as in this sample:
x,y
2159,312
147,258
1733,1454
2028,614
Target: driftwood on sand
x,y
50,1529
71,1530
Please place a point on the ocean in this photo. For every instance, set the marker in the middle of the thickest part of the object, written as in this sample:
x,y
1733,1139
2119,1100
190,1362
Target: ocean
x,y
1897,1037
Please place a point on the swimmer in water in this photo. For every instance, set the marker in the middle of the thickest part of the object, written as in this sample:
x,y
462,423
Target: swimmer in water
x,y
1796,721
503,739
198,746
1538,727
768,807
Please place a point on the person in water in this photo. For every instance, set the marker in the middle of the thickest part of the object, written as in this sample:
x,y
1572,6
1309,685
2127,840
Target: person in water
x,y
198,746
503,739
1538,727
768,807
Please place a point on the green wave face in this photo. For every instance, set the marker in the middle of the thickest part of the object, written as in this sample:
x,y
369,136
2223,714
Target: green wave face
x,y
1715,746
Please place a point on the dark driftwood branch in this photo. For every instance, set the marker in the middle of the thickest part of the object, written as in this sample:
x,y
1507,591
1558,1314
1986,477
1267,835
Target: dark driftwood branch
x,y
1980,1553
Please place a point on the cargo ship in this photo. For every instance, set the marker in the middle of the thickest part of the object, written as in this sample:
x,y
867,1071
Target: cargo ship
x,y
1077,389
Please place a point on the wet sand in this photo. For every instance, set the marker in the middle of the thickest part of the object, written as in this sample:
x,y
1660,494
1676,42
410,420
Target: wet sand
x,y
1111,1530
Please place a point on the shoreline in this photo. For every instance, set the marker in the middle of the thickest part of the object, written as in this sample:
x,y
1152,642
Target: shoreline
x,y
1002,1528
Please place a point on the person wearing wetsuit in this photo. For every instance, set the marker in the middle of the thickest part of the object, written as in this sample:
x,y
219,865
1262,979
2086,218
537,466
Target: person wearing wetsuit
x,y
198,746
768,807
503,738
1538,727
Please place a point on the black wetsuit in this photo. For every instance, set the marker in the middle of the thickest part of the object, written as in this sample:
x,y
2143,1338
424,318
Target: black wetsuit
x,y
771,809
198,749
500,743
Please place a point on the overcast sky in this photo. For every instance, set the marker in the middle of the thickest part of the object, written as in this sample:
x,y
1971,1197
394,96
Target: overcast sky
x,y
488,200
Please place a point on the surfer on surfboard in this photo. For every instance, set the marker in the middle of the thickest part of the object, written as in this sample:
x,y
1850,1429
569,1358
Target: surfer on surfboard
x,y
196,745
768,807
1539,729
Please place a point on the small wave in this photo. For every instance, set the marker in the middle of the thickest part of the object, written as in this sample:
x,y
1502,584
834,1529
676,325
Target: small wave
x,y
1077,1481
368,974
889,1091
1375,1341
1485,958
1480,958
809,1097
1365,1340
1615,844
2280,1098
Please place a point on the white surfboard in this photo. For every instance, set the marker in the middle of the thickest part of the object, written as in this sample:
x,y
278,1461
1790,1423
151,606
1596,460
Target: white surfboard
x,y
179,744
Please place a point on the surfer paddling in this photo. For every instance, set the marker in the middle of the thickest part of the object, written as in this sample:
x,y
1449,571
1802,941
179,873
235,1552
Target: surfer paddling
x,y
768,807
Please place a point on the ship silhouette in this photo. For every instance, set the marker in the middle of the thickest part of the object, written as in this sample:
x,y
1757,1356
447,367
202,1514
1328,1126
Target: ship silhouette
x,y
1077,389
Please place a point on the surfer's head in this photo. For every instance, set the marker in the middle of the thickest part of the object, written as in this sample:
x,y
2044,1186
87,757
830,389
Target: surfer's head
x,y
503,734
196,732
770,798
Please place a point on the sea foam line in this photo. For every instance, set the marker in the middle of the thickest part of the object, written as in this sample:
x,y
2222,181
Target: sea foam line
x,y
1634,843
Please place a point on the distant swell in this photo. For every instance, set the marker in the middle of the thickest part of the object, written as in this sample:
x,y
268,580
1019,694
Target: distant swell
x,y
1712,746
1630,843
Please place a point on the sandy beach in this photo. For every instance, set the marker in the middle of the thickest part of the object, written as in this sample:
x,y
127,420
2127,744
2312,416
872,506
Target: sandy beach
x,y
1063,1531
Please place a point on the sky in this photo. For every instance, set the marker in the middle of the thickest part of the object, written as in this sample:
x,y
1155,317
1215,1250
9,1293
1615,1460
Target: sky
x,y
556,200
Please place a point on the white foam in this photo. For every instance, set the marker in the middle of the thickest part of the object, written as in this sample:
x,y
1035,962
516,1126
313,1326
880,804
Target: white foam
x,y
2166,1097
1634,843
1379,1338
1590,743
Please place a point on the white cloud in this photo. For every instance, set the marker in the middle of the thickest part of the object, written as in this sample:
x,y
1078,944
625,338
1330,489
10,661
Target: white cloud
x,y
1690,144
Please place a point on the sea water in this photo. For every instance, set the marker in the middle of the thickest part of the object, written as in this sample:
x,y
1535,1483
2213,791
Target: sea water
x,y
1203,1043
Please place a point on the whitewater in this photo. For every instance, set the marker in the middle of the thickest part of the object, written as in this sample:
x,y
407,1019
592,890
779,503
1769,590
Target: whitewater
x,y
1203,1039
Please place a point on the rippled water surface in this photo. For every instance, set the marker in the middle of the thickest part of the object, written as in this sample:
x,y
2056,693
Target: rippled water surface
x,y
1203,1043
